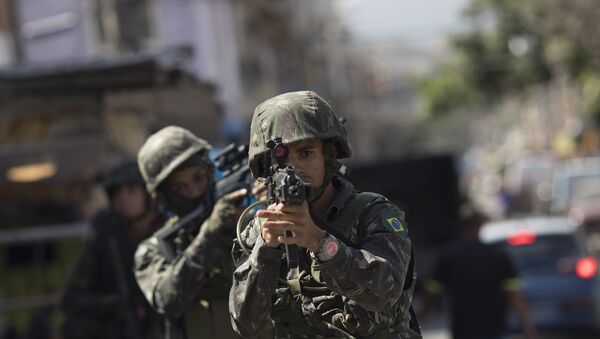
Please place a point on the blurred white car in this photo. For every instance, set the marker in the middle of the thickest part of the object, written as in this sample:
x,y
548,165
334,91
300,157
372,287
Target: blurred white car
x,y
559,278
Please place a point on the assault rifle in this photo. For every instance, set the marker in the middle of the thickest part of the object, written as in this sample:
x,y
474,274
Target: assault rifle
x,y
232,162
284,186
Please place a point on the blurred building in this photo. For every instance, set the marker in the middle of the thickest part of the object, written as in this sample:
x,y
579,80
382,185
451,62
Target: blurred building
x,y
66,30
8,47
82,84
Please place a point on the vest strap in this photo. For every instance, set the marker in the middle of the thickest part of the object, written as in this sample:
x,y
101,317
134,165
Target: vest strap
x,y
293,280
343,225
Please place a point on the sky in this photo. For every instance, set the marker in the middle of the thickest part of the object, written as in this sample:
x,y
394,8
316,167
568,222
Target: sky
x,y
420,23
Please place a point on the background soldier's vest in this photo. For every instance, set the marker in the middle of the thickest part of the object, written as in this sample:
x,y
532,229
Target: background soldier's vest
x,y
304,313
208,315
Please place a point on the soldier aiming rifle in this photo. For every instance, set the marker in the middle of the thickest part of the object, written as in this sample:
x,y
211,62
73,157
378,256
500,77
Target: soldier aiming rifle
x,y
354,277
185,269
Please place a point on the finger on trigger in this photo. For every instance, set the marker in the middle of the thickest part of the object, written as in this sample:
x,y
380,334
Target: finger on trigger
x,y
278,225
268,214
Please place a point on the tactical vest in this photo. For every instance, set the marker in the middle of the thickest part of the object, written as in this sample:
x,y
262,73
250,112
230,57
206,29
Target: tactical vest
x,y
208,316
297,309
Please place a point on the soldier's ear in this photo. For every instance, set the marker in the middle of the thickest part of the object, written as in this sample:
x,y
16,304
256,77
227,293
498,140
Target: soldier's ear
x,y
329,149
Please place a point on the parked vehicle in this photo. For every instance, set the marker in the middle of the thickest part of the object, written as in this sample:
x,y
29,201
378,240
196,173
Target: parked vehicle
x,y
559,277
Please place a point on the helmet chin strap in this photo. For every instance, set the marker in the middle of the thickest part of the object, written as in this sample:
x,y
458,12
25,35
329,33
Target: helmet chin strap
x,y
332,167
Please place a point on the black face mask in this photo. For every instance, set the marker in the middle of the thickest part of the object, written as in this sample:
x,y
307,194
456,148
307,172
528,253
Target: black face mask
x,y
183,206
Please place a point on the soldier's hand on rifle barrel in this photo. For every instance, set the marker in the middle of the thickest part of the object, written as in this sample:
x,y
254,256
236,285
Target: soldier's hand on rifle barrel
x,y
294,218
236,197
259,190
226,212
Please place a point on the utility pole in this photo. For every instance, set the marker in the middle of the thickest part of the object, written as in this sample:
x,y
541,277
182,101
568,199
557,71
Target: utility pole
x,y
9,26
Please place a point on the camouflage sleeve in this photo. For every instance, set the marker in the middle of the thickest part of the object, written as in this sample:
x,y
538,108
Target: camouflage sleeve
x,y
82,295
171,287
254,282
372,275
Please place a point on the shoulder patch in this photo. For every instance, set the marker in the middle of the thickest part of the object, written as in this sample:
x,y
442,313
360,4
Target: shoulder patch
x,y
394,221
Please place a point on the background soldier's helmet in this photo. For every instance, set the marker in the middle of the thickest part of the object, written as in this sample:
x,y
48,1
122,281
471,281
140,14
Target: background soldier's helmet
x,y
294,116
165,150
125,173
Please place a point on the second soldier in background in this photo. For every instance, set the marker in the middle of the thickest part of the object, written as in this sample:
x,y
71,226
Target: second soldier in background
x,y
187,277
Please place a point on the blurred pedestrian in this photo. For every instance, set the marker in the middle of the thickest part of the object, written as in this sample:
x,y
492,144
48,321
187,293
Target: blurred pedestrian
x,y
101,297
480,282
185,268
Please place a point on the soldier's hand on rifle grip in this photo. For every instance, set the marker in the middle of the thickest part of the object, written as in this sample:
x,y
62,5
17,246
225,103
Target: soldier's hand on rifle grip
x,y
270,235
295,218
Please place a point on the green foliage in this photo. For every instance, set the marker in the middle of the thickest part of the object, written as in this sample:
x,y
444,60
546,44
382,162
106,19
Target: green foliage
x,y
447,91
512,45
590,87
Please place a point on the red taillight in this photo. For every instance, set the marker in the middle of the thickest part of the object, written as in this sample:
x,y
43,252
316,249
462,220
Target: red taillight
x,y
586,268
522,237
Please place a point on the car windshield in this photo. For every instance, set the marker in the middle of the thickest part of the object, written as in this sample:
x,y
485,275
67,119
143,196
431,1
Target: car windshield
x,y
543,255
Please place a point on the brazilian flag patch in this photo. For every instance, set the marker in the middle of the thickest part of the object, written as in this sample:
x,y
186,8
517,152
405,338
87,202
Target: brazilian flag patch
x,y
394,221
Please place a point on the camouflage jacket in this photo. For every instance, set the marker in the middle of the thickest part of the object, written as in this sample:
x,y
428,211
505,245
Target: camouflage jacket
x,y
358,293
191,291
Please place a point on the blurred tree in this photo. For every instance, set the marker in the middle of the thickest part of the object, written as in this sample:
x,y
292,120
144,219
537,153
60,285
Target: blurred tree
x,y
512,45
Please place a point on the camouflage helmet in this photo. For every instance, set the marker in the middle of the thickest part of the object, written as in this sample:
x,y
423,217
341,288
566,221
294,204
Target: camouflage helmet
x,y
294,117
165,150
126,172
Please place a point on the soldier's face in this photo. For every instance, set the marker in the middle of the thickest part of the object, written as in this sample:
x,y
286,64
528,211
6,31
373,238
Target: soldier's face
x,y
129,200
190,182
309,161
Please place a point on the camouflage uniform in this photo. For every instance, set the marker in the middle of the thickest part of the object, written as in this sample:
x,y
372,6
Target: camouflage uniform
x,y
107,257
365,290
191,290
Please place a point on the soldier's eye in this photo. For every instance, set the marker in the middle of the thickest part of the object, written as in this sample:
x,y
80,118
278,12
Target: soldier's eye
x,y
199,178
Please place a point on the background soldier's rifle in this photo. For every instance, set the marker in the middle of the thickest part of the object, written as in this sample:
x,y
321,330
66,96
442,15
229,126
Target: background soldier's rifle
x,y
232,162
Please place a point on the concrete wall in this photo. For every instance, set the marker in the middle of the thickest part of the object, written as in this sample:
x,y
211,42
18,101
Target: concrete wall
x,y
54,31
208,26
